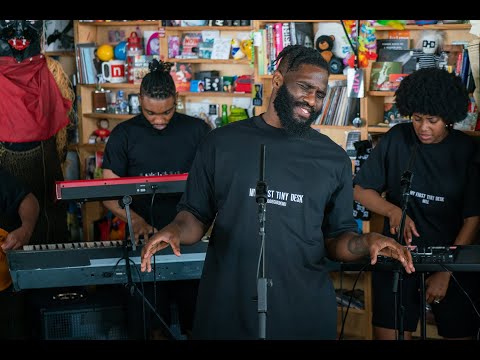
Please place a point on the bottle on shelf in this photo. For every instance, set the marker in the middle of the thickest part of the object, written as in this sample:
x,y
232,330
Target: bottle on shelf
x,y
224,114
213,118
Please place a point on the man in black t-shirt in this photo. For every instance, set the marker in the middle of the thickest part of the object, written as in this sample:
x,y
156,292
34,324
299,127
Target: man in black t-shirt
x,y
19,209
157,142
308,215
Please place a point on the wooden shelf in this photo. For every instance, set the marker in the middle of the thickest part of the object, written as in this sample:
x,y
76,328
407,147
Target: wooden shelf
x,y
211,61
108,116
427,27
336,127
120,23
113,86
350,311
306,21
472,132
209,94
331,77
378,129
202,28
87,147
381,93
70,53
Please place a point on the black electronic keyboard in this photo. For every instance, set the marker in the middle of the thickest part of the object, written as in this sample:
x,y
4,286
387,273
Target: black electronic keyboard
x,y
105,189
451,258
98,263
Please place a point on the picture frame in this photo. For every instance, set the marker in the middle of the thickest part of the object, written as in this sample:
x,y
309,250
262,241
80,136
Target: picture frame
x,y
58,35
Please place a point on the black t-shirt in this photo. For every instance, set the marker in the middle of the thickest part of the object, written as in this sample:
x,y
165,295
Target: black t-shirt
x,y
309,199
135,148
442,183
12,192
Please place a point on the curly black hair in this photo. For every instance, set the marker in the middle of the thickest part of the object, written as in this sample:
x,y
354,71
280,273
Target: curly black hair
x,y
292,56
158,83
435,92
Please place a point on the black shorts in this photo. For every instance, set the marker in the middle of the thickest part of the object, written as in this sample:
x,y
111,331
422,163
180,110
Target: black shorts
x,y
454,315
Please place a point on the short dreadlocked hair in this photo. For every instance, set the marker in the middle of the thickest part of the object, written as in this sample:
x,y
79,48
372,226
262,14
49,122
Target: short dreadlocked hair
x,y
292,56
158,83
433,91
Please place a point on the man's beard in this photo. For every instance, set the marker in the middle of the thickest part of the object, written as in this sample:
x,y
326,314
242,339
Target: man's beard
x,y
284,104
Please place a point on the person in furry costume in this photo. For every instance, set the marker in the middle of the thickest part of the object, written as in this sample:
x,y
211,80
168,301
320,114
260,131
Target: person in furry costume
x,y
36,100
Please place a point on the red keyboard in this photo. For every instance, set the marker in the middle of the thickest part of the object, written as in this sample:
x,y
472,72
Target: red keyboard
x,y
105,189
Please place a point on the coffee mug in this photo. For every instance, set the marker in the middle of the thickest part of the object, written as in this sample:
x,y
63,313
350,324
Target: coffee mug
x,y
114,71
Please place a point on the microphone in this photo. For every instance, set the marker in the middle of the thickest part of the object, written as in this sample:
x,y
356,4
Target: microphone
x,y
262,188
407,176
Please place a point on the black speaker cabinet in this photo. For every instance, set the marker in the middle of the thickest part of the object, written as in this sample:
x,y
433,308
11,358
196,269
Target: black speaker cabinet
x,y
84,322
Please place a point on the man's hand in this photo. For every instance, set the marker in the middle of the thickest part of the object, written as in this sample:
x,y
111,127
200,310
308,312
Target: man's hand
x,y
16,239
141,227
436,286
169,235
382,245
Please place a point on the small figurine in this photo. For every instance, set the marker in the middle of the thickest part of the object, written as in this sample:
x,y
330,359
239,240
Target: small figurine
x,y
101,134
324,44
428,49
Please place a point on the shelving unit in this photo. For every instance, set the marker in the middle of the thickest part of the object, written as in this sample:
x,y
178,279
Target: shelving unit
x,y
97,32
372,106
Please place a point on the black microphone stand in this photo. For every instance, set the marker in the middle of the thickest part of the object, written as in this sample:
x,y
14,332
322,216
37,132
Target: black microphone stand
x,y
405,185
131,245
261,192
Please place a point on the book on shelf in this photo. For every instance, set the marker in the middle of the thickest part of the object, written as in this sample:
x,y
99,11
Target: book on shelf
x,y
173,47
189,45
182,75
138,67
406,57
336,105
390,112
453,52
151,40
93,166
395,80
86,61
221,48
205,47
355,298
393,44
270,49
352,137
194,22
379,76
398,34
278,37
197,86
301,33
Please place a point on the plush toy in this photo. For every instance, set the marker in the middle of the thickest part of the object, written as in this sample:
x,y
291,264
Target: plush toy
x,y
324,44
35,109
427,52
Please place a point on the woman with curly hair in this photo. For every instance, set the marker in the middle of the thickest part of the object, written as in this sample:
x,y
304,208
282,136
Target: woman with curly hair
x,y
443,208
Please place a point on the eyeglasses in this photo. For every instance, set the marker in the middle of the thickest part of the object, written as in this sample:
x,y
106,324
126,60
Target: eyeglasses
x,y
429,44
